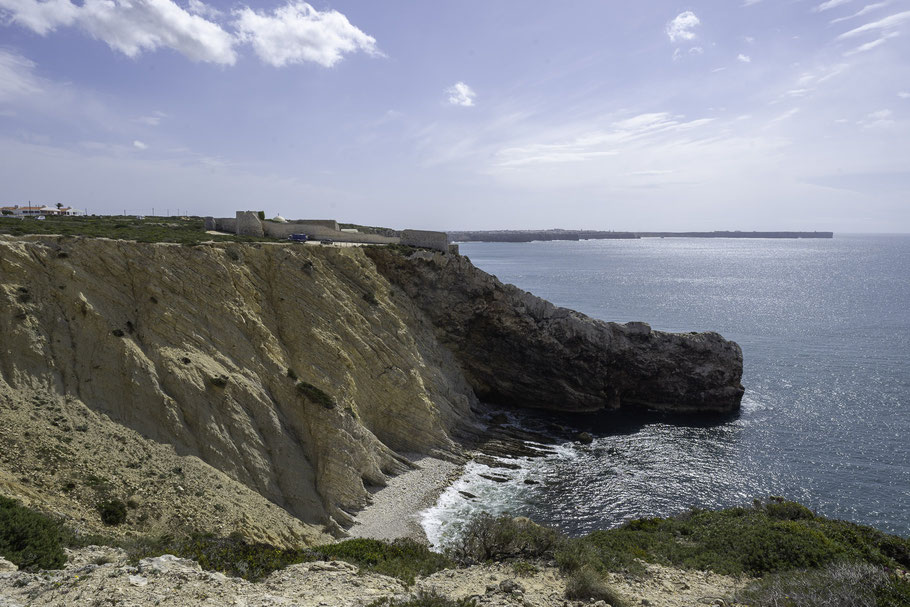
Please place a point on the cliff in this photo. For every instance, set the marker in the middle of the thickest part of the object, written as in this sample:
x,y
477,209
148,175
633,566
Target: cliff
x,y
192,347
520,350
211,383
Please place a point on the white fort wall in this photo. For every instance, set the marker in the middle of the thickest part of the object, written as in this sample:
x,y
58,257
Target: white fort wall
x,y
247,223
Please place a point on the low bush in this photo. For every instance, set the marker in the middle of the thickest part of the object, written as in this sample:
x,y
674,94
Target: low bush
x,y
404,559
29,539
113,512
587,584
316,395
234,556
423,600
487,537
769,537
836,585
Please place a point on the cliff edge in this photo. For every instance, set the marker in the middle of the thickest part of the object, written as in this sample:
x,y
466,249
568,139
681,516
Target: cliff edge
x,y
520,350
269,388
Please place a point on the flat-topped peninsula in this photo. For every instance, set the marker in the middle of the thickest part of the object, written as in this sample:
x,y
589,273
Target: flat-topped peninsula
x,y
559,234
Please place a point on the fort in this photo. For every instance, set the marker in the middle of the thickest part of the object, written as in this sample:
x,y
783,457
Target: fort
x,y
251,223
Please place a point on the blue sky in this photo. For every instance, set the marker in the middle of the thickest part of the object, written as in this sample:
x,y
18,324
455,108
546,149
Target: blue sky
x,y
732,114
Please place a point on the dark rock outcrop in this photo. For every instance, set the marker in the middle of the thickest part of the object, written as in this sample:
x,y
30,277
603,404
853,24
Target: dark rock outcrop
x,y
519,350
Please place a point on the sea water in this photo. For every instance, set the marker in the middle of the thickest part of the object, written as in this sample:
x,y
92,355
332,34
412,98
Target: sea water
x,y
825,330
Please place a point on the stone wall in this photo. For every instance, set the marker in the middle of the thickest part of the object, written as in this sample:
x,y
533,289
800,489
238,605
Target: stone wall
x,y
248,224
319,232
226,224
426,238
330,224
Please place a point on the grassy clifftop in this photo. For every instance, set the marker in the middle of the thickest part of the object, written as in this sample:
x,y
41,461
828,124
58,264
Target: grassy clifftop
x,y
185,230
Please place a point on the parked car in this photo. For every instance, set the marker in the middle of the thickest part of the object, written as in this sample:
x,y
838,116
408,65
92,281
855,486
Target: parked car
x,y
327,241
298,237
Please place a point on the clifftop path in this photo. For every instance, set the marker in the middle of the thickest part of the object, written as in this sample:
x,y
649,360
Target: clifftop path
x,y
518,349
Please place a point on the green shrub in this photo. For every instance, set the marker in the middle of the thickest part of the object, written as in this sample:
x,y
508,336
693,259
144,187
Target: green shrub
x,y
316,395
587,584
423,600
836,585
234,556
292,374
776,536
370,298
404,559
113,512
219,381
487,537
29,539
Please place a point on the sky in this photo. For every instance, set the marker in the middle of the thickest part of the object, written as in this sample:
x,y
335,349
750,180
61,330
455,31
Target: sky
x,y
707,115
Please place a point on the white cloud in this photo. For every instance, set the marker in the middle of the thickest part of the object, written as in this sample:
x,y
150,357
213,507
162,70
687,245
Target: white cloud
x,y
298,33
16,77
904,95
139,145
129,26
785,116
153,119
40,17
880,118
863,11
680,28
887,23
696,50
461,94
197,7
870,45
824,6
744,58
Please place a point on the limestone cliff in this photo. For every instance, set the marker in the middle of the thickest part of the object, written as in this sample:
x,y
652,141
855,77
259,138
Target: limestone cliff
x,y
227,378
203,347
517,349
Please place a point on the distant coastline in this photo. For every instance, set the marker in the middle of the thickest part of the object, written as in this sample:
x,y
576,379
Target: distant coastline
x,y
558,234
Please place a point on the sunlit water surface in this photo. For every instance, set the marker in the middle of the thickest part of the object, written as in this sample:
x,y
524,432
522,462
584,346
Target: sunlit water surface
x,y
825,330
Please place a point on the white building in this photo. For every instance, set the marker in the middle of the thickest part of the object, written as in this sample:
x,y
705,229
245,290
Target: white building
x,y
34,211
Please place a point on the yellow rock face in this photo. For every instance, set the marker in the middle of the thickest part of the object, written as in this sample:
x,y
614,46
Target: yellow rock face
x,y
199,350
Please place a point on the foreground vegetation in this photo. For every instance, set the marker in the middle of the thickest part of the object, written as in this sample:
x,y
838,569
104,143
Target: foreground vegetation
x,y
184,230
801,559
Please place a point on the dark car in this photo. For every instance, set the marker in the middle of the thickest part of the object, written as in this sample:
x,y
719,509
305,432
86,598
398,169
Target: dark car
x,y
298,237
327,241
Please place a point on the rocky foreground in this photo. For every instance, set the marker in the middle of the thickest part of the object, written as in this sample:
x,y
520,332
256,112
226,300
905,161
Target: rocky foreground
x,y
101,576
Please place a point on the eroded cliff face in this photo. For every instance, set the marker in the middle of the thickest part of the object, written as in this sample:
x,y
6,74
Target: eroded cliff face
x,y
188,378
202,347
517,349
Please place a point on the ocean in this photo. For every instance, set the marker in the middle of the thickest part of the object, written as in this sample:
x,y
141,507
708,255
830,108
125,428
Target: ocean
x,y
825,330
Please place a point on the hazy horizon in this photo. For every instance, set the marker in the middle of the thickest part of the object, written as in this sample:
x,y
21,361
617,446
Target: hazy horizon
x,y
713,115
